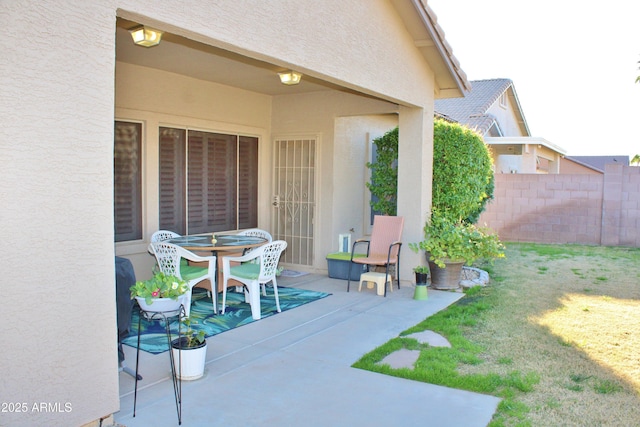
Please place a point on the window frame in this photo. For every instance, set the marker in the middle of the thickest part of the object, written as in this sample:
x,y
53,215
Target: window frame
x,y
503,100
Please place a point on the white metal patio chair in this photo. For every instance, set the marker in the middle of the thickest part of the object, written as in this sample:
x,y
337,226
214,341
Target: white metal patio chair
x,y
253,275
169,258
256,232
162,235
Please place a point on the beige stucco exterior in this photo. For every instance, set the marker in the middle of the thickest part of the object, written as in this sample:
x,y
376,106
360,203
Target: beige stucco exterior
x,y
493,109
525,155
63,88
568,166
507,113
516,151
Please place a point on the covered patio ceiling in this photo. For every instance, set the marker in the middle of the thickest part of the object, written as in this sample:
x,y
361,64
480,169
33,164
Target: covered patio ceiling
x,y
180,55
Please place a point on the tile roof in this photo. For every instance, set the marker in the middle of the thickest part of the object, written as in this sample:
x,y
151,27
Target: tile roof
x,y
476,102
445,48
482,122
599,162
472,109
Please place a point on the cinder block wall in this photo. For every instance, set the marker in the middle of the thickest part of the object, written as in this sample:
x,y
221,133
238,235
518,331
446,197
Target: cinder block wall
x,y
621,206
584,209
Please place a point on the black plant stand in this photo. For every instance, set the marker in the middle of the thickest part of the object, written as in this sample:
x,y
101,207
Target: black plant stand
x,y
177,380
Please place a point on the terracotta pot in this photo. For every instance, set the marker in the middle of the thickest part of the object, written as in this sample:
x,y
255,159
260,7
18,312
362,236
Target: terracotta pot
x,y
446,278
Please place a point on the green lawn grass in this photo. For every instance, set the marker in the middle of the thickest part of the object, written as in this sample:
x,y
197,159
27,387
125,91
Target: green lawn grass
x,y
540,337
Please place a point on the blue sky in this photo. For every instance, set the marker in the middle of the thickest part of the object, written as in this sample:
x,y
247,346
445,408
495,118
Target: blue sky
x,y
573,64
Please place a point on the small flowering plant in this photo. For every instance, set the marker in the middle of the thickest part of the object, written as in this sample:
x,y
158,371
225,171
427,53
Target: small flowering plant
x,y
159,286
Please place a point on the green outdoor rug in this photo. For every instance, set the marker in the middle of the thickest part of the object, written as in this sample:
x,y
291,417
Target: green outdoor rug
x,y
153,338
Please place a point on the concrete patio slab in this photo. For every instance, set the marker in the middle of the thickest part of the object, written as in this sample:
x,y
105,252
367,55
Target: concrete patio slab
x,y
294,369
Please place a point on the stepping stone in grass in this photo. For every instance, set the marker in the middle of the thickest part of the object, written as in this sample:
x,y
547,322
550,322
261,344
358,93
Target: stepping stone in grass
x,y
431,338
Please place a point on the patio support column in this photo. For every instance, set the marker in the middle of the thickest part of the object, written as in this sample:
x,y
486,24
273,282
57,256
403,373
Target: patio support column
x,y
415,160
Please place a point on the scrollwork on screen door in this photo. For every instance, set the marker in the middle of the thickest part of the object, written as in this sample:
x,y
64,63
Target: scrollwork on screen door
x,y
294,198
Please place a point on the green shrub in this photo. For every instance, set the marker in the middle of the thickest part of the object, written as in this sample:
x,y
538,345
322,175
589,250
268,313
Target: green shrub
x,y
462,172
463,179
384,174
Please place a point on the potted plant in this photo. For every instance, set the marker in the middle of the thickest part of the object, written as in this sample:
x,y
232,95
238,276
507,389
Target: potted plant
x,y
161,293
422,275
449,245
189,351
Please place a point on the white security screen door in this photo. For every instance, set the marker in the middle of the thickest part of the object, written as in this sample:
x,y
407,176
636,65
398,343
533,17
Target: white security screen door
x,y
294,197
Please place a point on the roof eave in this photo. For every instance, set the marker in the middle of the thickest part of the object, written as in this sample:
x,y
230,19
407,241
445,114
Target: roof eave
x,y
524,140
450,80
452,64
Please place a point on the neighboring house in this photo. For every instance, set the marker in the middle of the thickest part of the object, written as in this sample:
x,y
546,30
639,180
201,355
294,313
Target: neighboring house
x,y
590,164
492,108
290,159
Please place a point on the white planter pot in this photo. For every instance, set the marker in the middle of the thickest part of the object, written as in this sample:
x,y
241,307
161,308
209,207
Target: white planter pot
x,y
189,362
165,305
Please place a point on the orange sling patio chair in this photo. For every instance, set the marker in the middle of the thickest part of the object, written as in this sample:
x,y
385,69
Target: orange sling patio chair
x,y
383,248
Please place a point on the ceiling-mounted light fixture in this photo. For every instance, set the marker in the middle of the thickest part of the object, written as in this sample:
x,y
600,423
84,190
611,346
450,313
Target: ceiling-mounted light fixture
x,y
145,36
290,78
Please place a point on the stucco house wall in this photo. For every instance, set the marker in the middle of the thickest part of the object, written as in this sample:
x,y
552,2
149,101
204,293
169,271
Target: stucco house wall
x,y
506,116
537,158
506,163
57,147
353,142
56,187
568,166
527,155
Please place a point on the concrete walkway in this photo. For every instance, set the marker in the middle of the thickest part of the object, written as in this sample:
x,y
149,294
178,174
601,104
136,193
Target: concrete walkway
x,y
293,369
